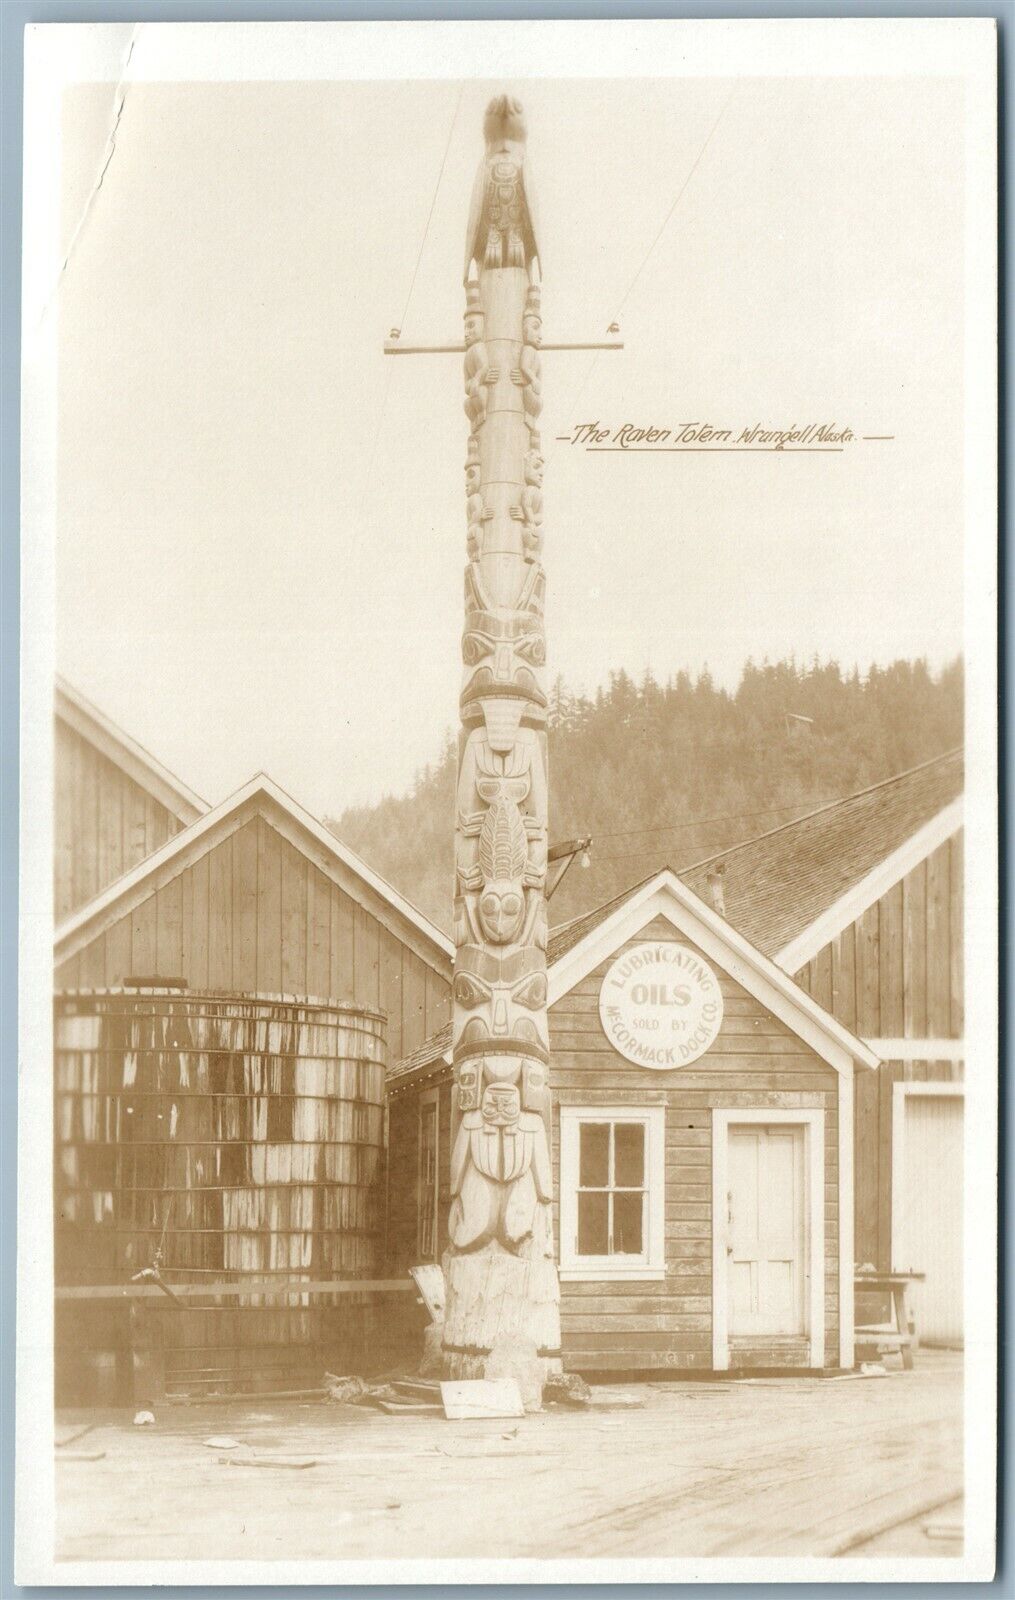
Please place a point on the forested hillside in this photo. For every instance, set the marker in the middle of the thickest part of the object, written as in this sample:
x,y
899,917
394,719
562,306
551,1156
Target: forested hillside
x,y
667,774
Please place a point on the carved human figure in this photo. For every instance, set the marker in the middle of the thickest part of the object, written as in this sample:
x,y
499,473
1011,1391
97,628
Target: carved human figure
x,y
529,509
477,371
528,374
477,512
501,1173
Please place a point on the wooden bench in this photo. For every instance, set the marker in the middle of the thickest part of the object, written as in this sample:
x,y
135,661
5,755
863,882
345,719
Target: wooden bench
x,y
900,1333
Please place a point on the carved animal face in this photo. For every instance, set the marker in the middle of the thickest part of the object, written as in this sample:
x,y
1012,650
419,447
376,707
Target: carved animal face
x,y
504,120
501,1105
473,477
502,910
508,1006
468,1086
503,653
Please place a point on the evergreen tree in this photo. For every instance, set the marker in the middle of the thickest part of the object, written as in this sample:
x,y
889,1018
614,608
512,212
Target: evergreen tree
x,y
669,774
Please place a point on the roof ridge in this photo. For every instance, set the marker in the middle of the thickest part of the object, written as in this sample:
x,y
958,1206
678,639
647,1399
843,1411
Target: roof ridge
x,y
131,746
829,805
561,927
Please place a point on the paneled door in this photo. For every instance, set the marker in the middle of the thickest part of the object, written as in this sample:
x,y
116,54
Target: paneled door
x,y
927,1201
766,1237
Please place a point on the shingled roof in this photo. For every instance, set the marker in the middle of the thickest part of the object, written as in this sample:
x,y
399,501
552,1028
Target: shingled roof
x,y
778,884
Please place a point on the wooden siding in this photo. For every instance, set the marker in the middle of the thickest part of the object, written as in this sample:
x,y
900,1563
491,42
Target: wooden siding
x,y
755,1063
254,915
104,823
895,973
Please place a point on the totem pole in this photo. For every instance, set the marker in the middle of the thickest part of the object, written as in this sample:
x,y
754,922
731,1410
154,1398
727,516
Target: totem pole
x,y
499,1266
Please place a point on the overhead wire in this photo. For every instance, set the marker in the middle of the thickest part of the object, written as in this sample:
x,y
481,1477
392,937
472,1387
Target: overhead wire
x,y
699,822
412,282
662,229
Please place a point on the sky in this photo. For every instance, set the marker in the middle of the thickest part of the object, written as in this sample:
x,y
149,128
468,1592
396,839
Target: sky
x,y
261,524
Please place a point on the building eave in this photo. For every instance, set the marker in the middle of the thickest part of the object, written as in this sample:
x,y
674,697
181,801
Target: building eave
x,y
260,796
124,752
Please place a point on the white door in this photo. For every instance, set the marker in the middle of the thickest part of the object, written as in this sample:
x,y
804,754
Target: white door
x,y
766,1230
927,1224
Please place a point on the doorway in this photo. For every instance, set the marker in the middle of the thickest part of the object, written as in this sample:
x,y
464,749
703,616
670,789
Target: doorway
x,y
768,1238
927,1135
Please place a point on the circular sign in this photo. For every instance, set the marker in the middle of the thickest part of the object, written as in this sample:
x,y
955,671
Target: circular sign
x,y
660,1005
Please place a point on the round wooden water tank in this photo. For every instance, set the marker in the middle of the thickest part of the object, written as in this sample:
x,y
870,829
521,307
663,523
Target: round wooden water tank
x,y
222,1140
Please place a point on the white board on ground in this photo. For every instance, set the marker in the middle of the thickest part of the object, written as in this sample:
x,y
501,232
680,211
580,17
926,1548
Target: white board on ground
x,y
481,1397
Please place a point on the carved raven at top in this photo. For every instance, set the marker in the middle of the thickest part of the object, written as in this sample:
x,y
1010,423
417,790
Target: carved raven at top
x,y
502,217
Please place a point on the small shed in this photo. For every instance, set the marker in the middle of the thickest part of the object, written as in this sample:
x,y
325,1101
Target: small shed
x,y
703,1146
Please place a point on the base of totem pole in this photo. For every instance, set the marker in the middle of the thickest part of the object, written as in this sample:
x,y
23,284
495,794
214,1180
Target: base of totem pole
x,y
493,1297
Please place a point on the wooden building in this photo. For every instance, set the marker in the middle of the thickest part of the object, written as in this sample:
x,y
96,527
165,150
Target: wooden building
x,y
114,804
257,897
225,1011
862,902
702,1146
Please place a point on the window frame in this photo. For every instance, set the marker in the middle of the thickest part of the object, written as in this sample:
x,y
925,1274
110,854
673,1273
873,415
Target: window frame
x,y
651,1265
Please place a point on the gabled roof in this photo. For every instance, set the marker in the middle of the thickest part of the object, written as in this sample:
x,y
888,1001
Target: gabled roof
x,y
792,889
593,939
261,796
124,752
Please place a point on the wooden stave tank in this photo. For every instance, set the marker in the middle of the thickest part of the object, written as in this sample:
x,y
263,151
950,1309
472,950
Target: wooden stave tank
x,y
270,1167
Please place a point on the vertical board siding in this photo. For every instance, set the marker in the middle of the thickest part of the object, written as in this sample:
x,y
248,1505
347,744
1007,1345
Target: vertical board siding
x,y
391,990
294,920
438,1002
104,822
318,933
956,928
245,908
938,950
269,909
254,916
169,930
907,961
413,1001
220,916
367,974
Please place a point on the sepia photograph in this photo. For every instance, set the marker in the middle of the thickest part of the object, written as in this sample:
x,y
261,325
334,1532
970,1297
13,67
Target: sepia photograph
x,y
498,909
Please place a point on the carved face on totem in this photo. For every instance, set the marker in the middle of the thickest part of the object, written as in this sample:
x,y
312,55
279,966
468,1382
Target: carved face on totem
x,y
473,473
502,1105
504,120
469,1074
532,328
503,653
502,910
473,327
506,996
534,469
